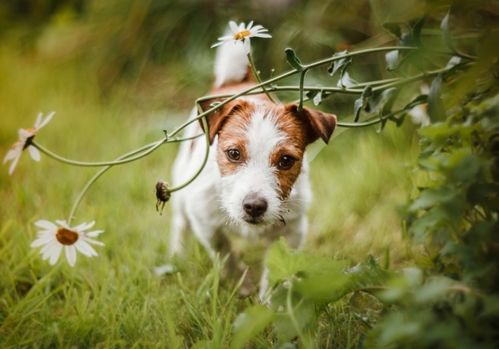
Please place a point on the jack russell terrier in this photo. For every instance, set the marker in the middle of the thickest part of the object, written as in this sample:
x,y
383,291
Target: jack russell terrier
x,y
255,183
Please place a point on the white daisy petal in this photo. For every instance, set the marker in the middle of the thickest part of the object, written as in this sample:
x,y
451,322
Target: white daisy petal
x,y
249,25
45,224
225,38
43,233
85,248
46,120
46,250
42,241
257,28
217,44
241,27
24,134
92,241
95,233
70,255
247,46
14,163
265,36
84,226
35,153
233,27
11,154
62,223
54,254
38,119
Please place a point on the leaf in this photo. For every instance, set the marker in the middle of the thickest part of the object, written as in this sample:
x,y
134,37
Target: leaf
x,y
293,59
304,312
317,98
454,61
387,99
316,277
393,28
413,36
444,26
340,64
345,80
392,60
362,102
435,106
416,101
249,323
432,197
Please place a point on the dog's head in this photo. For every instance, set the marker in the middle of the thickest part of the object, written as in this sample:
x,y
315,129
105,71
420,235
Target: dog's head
x,y
260,151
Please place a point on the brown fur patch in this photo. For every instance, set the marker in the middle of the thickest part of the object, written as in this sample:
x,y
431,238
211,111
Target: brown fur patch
x,y
233,136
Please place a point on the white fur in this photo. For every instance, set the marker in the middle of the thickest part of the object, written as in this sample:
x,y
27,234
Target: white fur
x,y
231,64
256,176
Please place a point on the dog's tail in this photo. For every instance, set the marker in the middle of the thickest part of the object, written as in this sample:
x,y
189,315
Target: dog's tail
x,y
231,64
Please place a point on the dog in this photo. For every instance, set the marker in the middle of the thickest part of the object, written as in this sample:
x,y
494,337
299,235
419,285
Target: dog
x,y
255,184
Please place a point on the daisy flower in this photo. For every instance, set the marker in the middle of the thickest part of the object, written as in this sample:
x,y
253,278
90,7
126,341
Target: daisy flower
x,y
58,236
242,34
25,136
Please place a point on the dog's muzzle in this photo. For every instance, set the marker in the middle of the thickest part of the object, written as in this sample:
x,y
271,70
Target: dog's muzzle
x,y
254,206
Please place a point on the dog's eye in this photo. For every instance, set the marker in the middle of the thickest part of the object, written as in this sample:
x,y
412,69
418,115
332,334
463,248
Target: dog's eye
x,y
286,162
234,155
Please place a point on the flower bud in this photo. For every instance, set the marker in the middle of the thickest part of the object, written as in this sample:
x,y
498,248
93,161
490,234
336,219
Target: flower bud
x,y
162,195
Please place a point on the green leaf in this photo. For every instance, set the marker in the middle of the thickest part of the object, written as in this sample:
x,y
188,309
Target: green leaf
x,y
394,28
340,64
432,197
392,60
421,99
436,109
318,277
362,102
385,105
444,26
293,59
249,323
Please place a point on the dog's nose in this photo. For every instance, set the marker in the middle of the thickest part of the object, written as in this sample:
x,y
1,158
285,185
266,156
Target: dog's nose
x,y
254,205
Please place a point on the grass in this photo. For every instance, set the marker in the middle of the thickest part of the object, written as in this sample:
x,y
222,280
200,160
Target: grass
x,y
115,300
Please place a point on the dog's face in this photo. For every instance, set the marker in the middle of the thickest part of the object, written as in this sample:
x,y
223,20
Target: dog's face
x,y
260,152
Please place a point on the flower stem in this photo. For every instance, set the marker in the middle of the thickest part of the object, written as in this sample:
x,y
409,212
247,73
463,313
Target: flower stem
x,y
145,150
205,159
302,82
139,155
257,76
282,76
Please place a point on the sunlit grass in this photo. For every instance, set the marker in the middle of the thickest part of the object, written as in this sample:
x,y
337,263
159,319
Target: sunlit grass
x,y
114,300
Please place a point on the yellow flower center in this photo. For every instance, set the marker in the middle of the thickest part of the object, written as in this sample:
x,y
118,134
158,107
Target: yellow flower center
x,y
66,236
242,35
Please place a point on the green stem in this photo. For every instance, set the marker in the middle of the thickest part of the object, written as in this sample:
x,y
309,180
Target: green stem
x,y
257,76
282,76
205,160
108,163
302,82
146,150
291,313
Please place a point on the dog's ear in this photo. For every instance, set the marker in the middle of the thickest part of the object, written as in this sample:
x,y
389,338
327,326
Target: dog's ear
x,y
318,123
217,118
